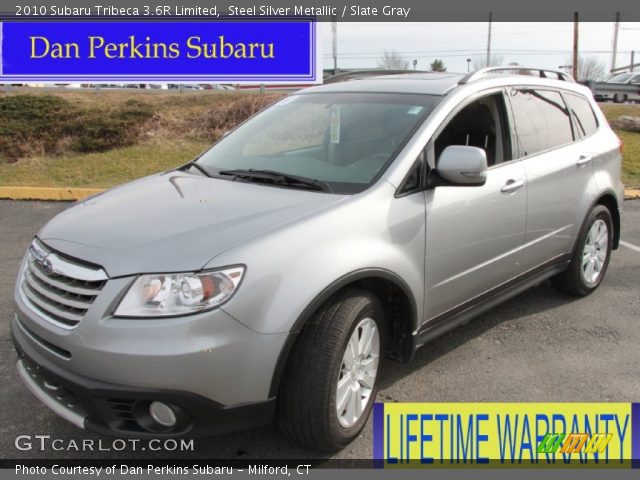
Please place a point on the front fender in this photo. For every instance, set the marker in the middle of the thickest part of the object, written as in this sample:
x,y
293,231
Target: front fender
x,y
290,267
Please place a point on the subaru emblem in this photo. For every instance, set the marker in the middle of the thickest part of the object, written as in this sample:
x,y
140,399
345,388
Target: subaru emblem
x,y
47,266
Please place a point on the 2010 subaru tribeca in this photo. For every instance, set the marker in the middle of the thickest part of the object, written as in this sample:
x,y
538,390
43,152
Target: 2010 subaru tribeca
x,y
344,224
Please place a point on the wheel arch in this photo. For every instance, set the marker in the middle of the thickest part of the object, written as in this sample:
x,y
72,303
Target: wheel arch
x,y
609,200
398,302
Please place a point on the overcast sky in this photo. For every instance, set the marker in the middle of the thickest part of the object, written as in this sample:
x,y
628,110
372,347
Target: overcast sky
x,y
543,45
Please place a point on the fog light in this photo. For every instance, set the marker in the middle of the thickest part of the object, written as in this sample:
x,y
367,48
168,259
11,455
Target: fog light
x,y
162,414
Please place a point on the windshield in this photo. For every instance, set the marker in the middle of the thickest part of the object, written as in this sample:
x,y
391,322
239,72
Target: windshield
x,y
622,78
345,140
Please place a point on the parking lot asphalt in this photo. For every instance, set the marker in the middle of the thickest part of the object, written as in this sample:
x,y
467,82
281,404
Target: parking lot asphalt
x,y
542,346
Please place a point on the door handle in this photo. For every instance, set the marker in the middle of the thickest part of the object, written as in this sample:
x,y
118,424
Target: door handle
x,y
512,185
583,160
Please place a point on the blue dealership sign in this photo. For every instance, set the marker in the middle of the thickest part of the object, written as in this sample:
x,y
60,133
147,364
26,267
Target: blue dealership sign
x,y
282,51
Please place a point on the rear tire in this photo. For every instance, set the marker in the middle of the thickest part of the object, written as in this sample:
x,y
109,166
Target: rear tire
x,y
591,255
324,371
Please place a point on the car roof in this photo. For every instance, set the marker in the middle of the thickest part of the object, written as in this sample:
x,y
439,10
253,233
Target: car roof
x,y
439,83
424,83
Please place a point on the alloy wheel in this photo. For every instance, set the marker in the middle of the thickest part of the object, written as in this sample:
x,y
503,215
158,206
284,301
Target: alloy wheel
x,y
594,254
358,372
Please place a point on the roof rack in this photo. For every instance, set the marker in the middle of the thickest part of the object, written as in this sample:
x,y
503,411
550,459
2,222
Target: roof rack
x,y
470,77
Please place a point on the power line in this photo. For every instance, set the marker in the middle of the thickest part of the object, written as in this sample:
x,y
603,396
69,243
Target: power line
x,y
514,50
456,53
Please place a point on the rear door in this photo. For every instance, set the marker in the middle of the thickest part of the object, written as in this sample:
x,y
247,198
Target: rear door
x,y
557,170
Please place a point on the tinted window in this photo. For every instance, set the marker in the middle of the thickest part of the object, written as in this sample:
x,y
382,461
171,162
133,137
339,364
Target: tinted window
x,y
583,115
542,120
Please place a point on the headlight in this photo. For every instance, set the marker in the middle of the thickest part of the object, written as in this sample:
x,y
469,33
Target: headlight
x,y
162,295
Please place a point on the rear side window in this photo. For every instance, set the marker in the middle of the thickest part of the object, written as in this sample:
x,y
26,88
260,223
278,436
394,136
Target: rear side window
x,y
585,119
541,119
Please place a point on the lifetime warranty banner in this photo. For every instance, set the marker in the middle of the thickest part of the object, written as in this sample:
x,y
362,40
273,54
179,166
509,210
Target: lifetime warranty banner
x,y
532,435
283,51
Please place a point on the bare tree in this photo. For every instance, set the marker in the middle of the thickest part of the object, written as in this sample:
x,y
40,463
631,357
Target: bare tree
x,y
392,60
481,62
590,69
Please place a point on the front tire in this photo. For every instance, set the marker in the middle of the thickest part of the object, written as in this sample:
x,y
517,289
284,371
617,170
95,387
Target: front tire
x,y
332,373
591,256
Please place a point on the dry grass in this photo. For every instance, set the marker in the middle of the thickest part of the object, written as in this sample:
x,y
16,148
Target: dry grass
x,y
203,114
631,141
100,170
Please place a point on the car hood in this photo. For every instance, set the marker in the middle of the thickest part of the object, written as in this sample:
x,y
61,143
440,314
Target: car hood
x,y
173,222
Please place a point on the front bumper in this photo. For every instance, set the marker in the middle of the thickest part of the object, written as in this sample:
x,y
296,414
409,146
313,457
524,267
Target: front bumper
x,y
209,354
103,372
114,409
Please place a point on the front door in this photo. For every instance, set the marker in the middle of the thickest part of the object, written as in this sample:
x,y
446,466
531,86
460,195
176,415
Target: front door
x,y
475,235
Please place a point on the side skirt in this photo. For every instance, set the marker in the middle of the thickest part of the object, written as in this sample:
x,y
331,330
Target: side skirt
x,y
465,312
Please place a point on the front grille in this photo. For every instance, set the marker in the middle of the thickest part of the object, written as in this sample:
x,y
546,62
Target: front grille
x,y
60,289
37,339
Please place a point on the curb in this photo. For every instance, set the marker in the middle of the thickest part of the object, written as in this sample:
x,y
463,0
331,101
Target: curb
x,y
69,194
42,193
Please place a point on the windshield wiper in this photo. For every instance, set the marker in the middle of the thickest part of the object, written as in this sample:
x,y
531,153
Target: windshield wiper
x,y
197,166
279,178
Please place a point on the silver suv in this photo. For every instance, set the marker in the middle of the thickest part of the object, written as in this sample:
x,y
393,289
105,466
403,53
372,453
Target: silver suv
x,y
344,224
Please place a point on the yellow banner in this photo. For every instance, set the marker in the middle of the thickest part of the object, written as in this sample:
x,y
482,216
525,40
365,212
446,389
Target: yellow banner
x,y
502,434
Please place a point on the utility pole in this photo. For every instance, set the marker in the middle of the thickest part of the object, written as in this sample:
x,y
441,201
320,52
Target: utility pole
x,y
575,45
489,41
633,59
334,45
614,48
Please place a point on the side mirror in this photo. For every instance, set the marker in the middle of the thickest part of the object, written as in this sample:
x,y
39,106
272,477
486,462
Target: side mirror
x,y
462,165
